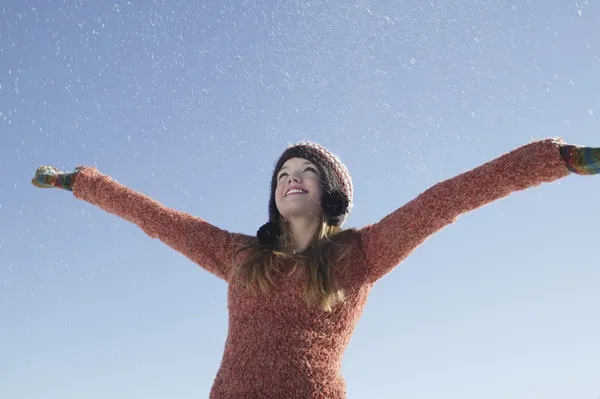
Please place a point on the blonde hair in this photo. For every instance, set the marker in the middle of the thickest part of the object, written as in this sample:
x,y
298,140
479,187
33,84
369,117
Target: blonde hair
x,y
323,257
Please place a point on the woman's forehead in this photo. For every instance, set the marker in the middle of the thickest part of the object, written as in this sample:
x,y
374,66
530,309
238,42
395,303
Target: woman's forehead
x,y
296,161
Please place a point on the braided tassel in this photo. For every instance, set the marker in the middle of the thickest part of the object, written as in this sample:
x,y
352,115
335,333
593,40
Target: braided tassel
x,y
581,160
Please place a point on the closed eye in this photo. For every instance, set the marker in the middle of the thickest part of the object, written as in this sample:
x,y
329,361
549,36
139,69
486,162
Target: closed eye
x,y
309,168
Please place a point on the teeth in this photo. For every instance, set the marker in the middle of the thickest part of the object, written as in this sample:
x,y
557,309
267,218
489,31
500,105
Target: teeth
x,y
295,191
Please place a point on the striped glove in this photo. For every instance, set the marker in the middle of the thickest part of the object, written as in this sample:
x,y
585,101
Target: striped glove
x,y
581,160
49,177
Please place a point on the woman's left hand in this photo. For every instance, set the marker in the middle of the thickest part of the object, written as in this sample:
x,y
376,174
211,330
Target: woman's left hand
x,y
581,160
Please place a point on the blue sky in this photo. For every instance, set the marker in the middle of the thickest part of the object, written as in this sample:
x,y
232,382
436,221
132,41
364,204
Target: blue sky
x,y
191,102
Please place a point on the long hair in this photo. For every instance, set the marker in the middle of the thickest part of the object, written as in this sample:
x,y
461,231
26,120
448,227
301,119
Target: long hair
x,y
320,261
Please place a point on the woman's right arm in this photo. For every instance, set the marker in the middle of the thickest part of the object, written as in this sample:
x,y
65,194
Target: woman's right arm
x,y
209,246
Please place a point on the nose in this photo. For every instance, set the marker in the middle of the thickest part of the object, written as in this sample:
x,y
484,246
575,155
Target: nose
x,y
293,178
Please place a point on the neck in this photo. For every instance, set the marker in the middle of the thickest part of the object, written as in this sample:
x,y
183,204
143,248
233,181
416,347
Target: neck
x,y
302,232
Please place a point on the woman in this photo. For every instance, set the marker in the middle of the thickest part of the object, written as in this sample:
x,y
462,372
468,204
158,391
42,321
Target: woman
x,y
297,289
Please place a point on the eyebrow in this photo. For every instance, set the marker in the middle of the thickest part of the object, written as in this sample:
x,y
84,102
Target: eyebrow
x,y
303,163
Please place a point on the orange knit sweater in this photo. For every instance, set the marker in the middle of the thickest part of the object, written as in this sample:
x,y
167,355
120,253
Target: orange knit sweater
x,y
278,347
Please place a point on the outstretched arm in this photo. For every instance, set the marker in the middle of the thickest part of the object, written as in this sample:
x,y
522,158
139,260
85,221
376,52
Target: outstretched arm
x,y
207,245
386,243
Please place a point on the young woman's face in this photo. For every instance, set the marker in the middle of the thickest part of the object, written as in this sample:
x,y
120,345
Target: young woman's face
x,y
298,191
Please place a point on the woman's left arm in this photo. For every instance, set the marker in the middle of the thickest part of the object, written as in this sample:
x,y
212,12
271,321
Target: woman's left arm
x,y
388,242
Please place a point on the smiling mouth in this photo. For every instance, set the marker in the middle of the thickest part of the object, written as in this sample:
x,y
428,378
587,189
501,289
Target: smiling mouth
x,y
295,191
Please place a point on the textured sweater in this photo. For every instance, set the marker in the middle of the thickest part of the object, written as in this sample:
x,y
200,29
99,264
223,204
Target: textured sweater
x,y
277,346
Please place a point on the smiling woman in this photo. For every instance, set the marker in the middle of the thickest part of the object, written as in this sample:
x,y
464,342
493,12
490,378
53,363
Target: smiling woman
x,y
287,341
311,194
298,197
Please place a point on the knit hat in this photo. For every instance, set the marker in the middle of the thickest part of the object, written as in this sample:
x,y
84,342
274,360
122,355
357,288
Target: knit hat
x,y
336,185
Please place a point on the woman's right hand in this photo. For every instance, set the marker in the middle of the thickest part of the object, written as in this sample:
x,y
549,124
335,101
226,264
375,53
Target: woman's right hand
x,y
50,177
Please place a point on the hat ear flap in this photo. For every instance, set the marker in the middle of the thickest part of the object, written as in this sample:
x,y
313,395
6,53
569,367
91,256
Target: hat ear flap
x,y
335,205
268,234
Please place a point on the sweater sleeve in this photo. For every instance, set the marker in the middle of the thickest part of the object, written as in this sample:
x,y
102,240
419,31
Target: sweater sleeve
x,y
388,242
208,246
